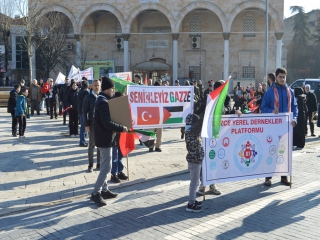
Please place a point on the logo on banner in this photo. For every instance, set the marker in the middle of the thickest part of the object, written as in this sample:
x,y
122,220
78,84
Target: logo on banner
x,y
282,149
280,159
247,153
269,139
213,166
226,142
272,150
269,160
213,142
212,154
225,164
221,153
172,115
148,115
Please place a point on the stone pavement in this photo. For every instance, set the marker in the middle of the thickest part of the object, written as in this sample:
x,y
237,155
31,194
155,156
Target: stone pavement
x,y
50,166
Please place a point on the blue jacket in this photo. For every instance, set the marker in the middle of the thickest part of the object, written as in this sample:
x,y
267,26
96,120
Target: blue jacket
x,y
21,106
267,105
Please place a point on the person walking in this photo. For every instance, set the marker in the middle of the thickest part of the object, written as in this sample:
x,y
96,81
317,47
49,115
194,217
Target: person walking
x,y
62,97
279,98
41,105
104,133
201,89
299,136
53,98
312,109
82,94
12,102
88,121
317,93
34,96
72,102
21,112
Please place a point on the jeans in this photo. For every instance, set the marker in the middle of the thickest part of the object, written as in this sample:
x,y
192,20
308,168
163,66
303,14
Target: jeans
x,y
22,125
117,166
194,169
91,147
41,104
101,183
83,132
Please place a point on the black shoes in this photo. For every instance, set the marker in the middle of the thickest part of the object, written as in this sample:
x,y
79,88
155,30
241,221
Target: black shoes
x,y
90,168
285,181
313,135
115,179
158,150
83,145
108,194
98,166
64,122
267,183
182,135
150,149
97,199
122,176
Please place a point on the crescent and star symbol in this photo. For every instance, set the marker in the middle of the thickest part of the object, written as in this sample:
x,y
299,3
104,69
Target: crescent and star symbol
x,y
143,116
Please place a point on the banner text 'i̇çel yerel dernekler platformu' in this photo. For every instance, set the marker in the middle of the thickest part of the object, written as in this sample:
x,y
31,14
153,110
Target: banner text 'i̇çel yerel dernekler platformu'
x,y
160,107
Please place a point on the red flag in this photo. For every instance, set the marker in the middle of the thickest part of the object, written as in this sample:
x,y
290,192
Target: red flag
x,y
126,143
64,111
148,115
252,105
252,92
145,80
45,88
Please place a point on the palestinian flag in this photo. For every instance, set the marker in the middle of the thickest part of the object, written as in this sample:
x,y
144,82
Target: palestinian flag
x,y
212,116
172,115
146,136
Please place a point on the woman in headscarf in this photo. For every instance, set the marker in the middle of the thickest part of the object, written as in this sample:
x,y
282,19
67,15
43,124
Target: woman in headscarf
x,y
299,131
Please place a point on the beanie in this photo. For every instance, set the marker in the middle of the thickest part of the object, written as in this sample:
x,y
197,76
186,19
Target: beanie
x,y
216,85
72,82
84,84
106,83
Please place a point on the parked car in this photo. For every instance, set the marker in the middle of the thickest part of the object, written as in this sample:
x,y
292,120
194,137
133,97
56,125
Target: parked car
x,y
313,82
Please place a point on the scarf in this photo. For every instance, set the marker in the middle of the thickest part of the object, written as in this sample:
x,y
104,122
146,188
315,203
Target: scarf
x,y
276,98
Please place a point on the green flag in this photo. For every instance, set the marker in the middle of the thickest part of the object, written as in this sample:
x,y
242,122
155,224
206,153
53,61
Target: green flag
x,y
121,85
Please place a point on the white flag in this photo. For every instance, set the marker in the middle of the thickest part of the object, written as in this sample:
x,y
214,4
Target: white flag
x,y
61,79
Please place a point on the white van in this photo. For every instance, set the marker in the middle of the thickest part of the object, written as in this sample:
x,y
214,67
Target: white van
x,y
313,82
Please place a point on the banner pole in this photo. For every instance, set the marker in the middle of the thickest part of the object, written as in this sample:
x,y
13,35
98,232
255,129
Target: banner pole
x,y
128,166
204,193
290,181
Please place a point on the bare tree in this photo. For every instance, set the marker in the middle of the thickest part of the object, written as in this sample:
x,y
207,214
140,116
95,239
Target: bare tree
x,y
34,26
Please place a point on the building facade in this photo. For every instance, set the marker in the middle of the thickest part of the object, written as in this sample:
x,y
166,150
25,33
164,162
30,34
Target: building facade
x,y
177,39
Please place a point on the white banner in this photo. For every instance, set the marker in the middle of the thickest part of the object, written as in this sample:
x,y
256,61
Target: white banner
x,y
87,73
159,107
127,76
74,74
251,146
61,79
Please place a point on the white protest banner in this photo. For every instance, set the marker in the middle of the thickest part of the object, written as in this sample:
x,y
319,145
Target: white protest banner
x,y
127,76
87,73
250,146
60,79
159,107
74,74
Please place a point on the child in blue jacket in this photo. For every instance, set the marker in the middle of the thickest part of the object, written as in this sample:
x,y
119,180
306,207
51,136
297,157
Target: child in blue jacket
x,y
21,112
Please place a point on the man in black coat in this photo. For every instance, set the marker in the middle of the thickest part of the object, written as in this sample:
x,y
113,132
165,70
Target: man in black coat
x,y
312,109
88,121
104,134
62,97
12,102
82,94
53,98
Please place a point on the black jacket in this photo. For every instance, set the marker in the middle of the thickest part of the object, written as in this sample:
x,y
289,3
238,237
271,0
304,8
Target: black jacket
x,y
104,127
72,98
55,94
82,94
88,109
63,93
12,102
311,102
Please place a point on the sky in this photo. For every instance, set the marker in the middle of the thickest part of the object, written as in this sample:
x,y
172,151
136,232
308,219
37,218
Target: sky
x,y
307,4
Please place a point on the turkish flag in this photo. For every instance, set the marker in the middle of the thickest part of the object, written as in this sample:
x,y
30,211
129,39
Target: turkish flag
x,y
45,88
148,115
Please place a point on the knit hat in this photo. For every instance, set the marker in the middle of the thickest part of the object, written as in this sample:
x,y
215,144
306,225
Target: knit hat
x,y
106,83
216,85
84,84
72,82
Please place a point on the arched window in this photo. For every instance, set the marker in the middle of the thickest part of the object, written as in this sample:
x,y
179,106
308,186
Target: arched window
x,y
249,25
195,24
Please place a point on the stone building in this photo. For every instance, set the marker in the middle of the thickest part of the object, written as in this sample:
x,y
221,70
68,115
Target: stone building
x,y
177,39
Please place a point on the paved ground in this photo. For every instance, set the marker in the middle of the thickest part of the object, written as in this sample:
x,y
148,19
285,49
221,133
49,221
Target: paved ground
x,y
49,167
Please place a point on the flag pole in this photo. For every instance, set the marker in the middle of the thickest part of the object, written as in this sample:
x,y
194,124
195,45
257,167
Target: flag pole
x,y
290,181
128,166
204,193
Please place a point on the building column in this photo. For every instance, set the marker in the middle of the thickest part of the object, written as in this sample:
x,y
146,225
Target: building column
x,y
78,50
175,51
13,51
126,52
226,36
279,48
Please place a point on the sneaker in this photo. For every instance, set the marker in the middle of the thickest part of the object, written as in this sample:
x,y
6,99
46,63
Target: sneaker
x,y
83,145
198,203
108,194
285,181
193,208
115,179
267,183
122,176
98,167
214,190
90,168
97,199
200,191
158,150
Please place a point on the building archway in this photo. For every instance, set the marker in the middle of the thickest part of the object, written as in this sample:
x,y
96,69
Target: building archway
x,y
279,27
200,5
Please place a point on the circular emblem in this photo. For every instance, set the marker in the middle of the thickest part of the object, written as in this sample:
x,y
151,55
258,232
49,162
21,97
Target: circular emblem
x,y
225,164
226,142
213,142
221,153
272,150
269,139
247,153
212,154
282,149
280,159
213,166
269,160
